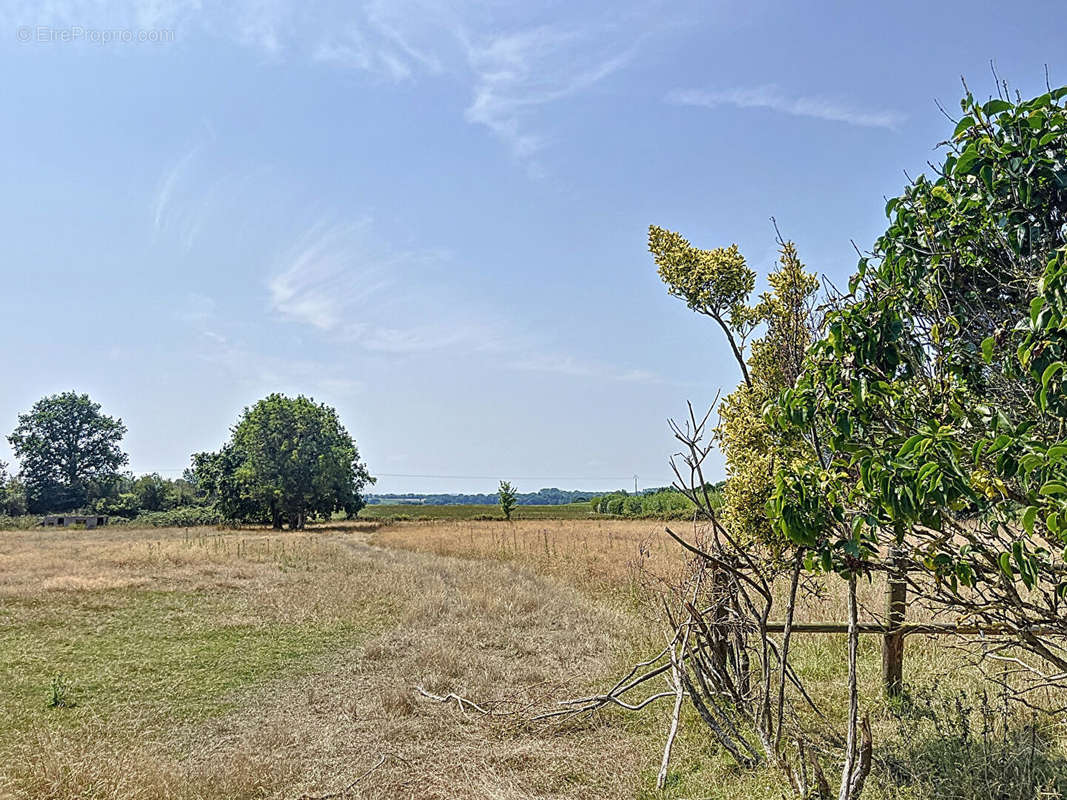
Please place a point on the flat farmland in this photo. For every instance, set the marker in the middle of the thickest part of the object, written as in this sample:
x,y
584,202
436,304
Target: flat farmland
x,y
244,664
204,663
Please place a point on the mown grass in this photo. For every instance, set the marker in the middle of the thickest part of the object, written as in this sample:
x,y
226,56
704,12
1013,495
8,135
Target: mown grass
x,y
177,655
170,664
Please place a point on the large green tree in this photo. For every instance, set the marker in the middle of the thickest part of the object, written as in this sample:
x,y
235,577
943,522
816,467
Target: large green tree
x,y
65,446
938,387
289,459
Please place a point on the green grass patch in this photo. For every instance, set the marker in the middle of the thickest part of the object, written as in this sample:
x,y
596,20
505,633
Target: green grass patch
x,y
117,656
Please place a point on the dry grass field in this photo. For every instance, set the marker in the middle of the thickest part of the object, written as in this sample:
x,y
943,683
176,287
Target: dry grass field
x,y
951,736
172,663
206,664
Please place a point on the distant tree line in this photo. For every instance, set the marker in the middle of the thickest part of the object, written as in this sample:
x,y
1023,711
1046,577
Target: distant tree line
x,y
288,460
542,497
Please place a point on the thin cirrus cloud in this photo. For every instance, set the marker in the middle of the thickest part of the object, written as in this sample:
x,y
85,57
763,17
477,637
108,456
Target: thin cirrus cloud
x,y
343,281
518,73
259,371
164,194
774,99
513,66
576,368
329,273
191,193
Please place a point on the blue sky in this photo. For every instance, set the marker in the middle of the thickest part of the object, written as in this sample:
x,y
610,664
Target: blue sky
x,y
432,215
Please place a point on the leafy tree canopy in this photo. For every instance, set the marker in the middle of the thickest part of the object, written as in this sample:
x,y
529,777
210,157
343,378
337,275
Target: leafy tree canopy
x,y
938,386
288,459
719,284
716,283
65,446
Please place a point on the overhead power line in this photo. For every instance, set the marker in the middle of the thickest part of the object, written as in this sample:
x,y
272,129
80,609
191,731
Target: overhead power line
x,y
497,476
475,477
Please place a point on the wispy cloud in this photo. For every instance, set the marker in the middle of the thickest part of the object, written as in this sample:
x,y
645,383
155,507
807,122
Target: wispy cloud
x,y
266,372
196,309
513,66
330,273
774,99
100,13
350,287
439,335
167,185
191,190
352,50
573,367
517,73
348,284
386,38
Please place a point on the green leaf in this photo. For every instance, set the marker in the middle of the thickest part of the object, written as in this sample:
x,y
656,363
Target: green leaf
x,y
996,106
987,349
1050,371
1028,519
1005,564
925,471
1035,308
909,445
1052,488
966,161
963,125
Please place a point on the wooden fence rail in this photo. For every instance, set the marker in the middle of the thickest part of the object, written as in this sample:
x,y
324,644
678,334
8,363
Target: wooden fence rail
x,y
896,628
893,639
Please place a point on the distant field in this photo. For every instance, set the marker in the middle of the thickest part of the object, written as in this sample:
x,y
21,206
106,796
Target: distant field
x,y
403,511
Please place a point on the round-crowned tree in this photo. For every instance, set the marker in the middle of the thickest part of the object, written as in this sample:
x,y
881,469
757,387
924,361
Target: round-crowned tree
x,y
289,459
65,446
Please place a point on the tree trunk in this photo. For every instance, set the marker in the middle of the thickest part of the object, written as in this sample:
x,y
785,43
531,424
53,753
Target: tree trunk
x,y
858,744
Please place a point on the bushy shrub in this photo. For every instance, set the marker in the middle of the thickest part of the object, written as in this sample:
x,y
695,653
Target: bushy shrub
x,y
186,517
124,504
18,523
660,504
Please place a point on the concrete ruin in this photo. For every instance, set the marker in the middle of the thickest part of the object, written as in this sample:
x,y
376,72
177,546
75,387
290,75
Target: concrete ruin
x,y
70,520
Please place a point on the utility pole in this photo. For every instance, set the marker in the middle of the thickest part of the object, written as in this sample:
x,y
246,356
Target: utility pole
x,y
635,484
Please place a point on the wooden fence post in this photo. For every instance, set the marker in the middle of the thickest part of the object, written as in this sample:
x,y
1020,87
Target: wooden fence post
x,y
893,640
